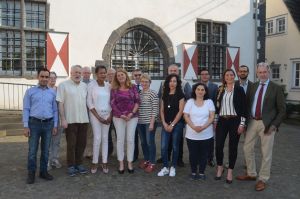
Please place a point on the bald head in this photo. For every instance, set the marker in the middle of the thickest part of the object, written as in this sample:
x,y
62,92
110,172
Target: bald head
x,y
173,69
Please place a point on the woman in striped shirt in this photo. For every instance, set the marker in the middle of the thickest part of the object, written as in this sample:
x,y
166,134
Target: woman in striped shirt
x,y
148,112
231,114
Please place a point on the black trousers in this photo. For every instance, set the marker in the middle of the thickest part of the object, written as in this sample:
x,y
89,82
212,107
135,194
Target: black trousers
x,y
198,153
136,145
225,126
211,150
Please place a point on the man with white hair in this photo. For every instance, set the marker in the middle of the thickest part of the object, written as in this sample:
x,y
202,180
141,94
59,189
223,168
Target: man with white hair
x,y
266,110
71,95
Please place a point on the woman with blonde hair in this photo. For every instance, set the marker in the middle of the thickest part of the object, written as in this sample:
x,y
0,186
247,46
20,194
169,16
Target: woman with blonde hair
x,y
148,113
125,102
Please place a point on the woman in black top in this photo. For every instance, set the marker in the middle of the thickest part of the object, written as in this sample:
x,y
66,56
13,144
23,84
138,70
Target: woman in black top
x,y
231,114
171,109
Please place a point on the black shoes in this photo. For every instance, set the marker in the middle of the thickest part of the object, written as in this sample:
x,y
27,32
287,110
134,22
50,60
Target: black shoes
x,y
131,171
211,163
228,181
30,177
46,176
121,171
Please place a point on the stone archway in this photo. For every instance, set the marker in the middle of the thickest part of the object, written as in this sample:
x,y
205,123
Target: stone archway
x,y
157,32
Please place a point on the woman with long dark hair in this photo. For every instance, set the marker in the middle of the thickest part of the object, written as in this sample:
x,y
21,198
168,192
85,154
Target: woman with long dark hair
x,y
231,111
171,109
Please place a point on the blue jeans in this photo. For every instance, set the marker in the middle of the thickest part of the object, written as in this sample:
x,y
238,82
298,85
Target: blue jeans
x,y
39,130
148,142
165,137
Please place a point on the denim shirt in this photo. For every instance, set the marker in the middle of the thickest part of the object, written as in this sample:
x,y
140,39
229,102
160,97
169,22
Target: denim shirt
x,y
40,103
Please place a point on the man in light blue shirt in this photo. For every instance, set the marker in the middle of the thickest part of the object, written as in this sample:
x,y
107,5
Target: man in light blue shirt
x,y
40,119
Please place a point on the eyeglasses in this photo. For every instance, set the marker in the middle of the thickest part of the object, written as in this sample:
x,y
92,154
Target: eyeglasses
x,y
136,75
42,76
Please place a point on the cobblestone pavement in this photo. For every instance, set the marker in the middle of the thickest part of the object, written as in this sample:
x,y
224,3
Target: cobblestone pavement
x,y
284,182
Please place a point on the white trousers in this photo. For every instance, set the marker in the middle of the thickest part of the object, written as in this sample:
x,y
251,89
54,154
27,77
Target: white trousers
x,y
100,132
125,128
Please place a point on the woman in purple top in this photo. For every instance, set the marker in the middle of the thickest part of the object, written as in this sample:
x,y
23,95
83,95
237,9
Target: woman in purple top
x,y
125,102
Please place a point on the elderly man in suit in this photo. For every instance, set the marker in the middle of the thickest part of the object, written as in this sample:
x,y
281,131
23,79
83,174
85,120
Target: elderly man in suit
x,y
212,94
266,111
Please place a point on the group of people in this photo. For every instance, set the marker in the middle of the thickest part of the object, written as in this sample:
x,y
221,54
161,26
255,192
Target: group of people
x,y
208,112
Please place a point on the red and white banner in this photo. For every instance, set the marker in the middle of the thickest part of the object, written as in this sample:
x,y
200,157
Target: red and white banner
x,y
233,58
190,61
58,53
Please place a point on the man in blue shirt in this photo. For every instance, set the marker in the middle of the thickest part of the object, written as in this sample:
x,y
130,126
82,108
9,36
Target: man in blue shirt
x,y
40,122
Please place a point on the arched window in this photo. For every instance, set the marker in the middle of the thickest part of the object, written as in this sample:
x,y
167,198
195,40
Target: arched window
x,y
140,48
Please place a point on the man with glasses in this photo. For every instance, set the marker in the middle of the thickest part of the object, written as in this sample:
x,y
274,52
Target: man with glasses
x,y
212,94
136,75
243,81
40,119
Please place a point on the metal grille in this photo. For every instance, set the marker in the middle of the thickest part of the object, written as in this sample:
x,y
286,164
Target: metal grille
x,y
138,49
10,52
10,13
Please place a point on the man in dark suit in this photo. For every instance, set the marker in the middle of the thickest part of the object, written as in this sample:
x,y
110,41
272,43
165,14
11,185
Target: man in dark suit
x,y
266,111
212,94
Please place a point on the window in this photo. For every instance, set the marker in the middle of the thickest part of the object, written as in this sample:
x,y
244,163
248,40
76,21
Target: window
x,y
275,73
202,32
35,15
10,52
276,25
269,27
280,24
35,51
138,48
211,50
296,74
10,13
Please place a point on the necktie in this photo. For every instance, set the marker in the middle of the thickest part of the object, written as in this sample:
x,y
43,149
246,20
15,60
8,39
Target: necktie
x,y
258,104
139,87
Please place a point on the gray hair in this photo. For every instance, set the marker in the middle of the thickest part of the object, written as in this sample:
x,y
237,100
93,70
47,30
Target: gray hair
x,y
263,64
76,66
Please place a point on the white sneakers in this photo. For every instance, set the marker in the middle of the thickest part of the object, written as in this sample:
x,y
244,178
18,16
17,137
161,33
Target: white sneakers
x,y
172,172
165,171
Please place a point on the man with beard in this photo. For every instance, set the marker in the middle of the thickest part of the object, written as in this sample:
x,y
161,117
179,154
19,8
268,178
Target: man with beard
x,y
243,81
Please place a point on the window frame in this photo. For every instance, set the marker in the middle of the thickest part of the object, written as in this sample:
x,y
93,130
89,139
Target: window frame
x,y
12,42
276,28
294,74
10,13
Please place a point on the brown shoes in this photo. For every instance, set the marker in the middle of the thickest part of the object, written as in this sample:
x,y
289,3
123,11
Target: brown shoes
x,y
246,178
260,185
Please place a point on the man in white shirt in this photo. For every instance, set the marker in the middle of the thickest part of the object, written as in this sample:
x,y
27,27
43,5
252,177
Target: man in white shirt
x,y
71,95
